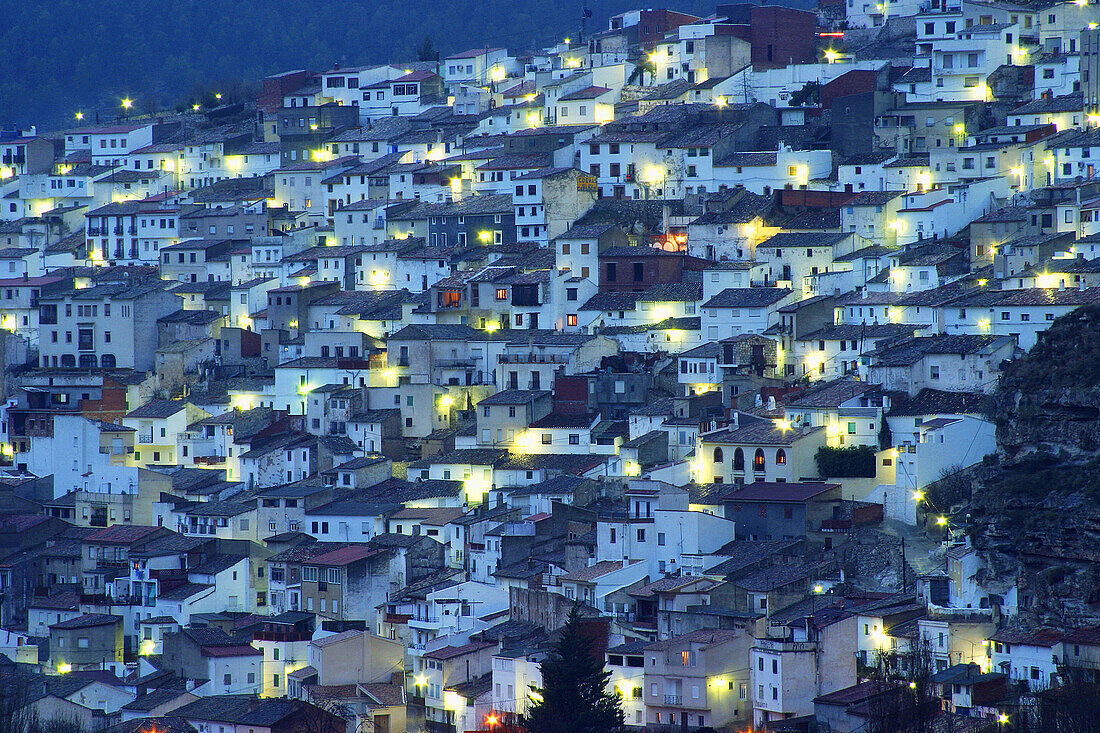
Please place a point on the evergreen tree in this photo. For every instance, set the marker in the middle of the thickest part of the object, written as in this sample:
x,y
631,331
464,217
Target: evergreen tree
x,y
426,50
574,696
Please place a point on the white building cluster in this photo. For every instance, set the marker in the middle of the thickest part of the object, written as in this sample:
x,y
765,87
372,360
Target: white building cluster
x,y
347,394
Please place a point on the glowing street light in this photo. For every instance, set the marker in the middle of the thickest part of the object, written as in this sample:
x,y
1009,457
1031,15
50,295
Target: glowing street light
x,y
941,521
79,115
831,55
127,103
195,107
218,95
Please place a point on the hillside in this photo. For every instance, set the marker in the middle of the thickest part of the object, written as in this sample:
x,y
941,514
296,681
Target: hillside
x,y
1035,513
89,54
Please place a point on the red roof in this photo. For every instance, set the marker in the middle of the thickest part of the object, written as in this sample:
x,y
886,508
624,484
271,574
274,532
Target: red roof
x,y
109,130
22,522
450,652
768,491
473,53
1042,637
32,281
344,555
121,533
414,76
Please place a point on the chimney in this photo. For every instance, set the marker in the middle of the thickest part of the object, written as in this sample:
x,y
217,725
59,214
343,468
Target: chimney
x,y
771,402
1081,284
734,420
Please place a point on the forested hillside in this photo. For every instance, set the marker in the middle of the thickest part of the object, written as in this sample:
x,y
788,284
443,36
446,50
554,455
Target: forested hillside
x,y
56,57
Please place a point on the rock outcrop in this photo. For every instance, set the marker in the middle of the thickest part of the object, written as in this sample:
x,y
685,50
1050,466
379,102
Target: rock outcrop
x,y
1035,509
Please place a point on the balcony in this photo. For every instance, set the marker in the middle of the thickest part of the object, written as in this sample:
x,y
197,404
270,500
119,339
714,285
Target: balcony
x,y
783,645
132,230
118,230
94,231
146,439
531,359
674,699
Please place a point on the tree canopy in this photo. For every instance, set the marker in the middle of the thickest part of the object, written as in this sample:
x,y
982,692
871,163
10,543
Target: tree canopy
x,y
574,696
91,54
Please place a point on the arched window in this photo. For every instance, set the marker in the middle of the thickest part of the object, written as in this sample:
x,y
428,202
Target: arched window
x,y
717,455
781,457
758,460
739,460
108,361
88,361
68,360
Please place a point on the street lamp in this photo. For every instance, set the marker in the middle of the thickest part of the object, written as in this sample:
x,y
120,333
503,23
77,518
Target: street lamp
x,y
127,103
79,115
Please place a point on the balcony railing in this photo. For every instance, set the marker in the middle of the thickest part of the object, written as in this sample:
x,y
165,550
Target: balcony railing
x,y
782,645
531,359
674,699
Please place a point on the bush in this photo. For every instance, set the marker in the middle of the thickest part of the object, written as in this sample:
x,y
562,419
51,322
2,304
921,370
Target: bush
x,y
858,461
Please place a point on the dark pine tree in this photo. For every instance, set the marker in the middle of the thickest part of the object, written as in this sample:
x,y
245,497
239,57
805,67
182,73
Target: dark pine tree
x,y
426,50
574,696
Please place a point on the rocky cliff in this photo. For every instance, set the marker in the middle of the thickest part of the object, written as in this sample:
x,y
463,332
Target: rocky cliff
x,y
1035,511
